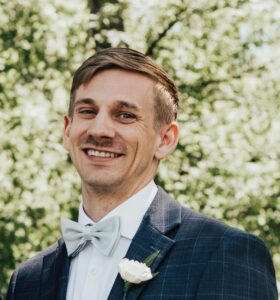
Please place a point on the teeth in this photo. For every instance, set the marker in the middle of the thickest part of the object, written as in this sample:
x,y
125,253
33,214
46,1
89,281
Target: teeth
x,y
101,154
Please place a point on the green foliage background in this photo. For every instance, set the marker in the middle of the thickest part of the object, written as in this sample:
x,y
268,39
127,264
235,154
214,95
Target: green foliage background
x,y
224,57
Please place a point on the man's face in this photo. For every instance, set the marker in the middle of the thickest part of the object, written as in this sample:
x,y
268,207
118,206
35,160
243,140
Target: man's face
x,y
111,136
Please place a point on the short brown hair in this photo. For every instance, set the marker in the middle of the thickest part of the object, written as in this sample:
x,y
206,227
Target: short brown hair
x,y
165,91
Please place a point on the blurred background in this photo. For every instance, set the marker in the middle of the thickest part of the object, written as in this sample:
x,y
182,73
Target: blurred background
x,y
224,55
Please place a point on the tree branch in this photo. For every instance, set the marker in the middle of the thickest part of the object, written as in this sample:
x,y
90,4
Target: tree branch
x,y
150,50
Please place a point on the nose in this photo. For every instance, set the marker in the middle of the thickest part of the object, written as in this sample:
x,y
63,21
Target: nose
x,y
101,126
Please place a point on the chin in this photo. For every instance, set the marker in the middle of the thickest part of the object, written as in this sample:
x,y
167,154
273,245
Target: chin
x,y
101,183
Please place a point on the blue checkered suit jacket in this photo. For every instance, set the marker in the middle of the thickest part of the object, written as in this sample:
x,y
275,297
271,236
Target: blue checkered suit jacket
x,y
200,258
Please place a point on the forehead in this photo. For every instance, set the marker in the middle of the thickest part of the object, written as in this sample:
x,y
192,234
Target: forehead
x,y
117,84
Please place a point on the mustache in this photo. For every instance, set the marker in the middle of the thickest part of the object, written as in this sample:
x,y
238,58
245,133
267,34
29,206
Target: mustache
x,y
102,142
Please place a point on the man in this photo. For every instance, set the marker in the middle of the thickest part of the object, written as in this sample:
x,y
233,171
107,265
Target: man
x,y
120,124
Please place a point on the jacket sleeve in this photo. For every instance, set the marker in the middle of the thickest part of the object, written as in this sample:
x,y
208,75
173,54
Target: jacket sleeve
x,y
11,289
241,268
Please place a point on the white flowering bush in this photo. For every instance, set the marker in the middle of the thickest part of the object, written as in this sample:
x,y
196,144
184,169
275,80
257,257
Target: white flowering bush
x,y
224,57
41,45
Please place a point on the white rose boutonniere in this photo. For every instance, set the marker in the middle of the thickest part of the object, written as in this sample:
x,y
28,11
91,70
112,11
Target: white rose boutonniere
x,y
135,272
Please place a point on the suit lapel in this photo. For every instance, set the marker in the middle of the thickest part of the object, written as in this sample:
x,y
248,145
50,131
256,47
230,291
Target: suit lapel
x,y
55,273
163,215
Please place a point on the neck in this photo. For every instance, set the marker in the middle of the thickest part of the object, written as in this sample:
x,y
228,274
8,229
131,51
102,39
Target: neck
x,y
98,202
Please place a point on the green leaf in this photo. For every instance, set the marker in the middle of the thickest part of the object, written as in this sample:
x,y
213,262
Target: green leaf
x,y
155,274
149,260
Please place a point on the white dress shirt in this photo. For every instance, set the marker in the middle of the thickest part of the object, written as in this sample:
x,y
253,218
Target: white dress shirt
x,y
92,274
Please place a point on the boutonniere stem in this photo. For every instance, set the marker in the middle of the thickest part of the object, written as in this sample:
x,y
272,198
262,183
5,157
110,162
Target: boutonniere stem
x,y
135,272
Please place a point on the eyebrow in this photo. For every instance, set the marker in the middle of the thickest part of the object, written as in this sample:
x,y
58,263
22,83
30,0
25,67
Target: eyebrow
x,y
124,104
84,101
120,104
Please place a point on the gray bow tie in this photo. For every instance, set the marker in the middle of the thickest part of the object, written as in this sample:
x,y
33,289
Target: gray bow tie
x,y
103,235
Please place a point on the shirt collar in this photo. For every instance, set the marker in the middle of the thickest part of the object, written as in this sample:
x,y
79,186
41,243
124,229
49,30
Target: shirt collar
x,y
130,211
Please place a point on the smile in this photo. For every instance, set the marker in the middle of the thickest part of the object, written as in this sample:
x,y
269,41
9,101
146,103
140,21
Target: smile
x,y
103,154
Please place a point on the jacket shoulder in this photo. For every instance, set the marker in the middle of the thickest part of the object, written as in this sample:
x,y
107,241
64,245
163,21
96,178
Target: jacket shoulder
x,y
220,257
229,254
29,271
37,260
210,235
207,227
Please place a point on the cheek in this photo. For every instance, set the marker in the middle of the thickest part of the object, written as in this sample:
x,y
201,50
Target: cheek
x,y
77,132
146,147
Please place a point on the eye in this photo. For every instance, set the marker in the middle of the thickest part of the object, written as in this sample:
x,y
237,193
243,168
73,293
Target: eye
x,y
126,117
87,111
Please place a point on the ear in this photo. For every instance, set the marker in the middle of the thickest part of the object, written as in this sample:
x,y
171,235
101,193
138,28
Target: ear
x,y
67,127
169,140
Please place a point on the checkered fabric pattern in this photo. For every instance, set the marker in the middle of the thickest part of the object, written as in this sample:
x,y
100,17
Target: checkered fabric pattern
x,y
200,259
